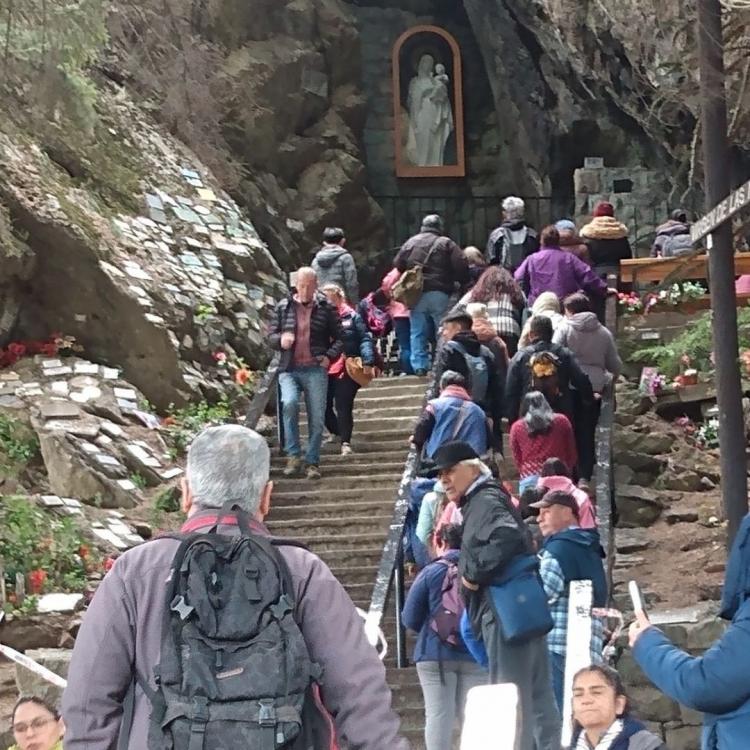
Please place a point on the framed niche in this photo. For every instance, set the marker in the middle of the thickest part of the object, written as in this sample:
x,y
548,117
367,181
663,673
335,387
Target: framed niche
x,y
428,104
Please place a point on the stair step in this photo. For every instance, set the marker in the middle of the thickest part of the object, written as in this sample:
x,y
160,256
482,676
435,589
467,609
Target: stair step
x,y
312,492
301,527
344,541
388,455
353,481
363,446
356,573
388,428
326,510
415,391
340,556
356,466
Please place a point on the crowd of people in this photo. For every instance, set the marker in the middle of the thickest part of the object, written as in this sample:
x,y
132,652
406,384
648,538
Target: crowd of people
x,y
224,637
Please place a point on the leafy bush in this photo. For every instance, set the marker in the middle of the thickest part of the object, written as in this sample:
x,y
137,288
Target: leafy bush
x,y
18,445
50,552
696,341
184,424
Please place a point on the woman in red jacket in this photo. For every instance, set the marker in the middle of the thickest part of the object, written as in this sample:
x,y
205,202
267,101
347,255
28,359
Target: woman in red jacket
x,y
538,435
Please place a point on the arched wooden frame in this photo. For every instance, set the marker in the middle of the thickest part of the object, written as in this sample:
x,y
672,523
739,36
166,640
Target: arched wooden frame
x,y
403,168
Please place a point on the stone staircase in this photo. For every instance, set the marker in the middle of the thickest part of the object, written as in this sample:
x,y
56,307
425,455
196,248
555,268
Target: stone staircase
x,y
345,516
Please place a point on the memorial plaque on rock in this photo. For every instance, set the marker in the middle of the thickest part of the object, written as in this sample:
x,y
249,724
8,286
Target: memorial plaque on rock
x,y
110,373
56,372
47,363
71,502
88,447
78,427
126,484
85,368
112,429
59,387
126,393
111,537
51,501
59,410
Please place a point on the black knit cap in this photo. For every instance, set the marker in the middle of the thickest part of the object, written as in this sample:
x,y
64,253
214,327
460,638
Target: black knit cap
x,y
450,454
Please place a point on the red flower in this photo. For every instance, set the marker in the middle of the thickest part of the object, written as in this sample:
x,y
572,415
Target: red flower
x,y
108,563
83,551
37,579
242,376
16,349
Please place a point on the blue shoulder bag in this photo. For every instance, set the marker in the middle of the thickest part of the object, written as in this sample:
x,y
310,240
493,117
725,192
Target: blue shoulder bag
x,y
520,602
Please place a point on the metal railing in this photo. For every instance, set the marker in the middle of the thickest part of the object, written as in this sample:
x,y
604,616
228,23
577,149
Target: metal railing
x,y
605,484
468,219
391,566
268,387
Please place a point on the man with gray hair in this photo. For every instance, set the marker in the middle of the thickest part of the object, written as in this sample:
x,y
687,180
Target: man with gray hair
x,y
514,240
495,539
306,329
444,269
119,643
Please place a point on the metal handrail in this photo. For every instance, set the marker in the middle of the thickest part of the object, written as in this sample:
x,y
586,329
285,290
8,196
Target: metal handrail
x,y
605,486
391,567
262,395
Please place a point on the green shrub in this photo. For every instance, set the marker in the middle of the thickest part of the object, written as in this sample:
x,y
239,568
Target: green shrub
x,y
32,540
696,341
184,424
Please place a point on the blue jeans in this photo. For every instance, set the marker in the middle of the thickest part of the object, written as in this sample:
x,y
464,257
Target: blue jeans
x,y
402,329
557,672
313,382
425,323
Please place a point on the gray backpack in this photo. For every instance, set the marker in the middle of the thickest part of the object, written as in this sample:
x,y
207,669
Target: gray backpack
x,y
235,671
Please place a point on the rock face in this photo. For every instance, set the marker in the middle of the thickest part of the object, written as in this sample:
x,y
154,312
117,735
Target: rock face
x,y
283,110
153,282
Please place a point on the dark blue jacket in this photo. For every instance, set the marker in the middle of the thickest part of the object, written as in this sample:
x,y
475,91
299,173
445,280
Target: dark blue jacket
x,y
716,683
579,554
423,600
634,736
357,339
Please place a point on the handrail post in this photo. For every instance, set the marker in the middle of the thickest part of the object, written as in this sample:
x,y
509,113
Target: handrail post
x,y
398,574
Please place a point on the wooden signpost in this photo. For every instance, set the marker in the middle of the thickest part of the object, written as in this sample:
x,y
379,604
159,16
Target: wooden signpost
x,y
720,213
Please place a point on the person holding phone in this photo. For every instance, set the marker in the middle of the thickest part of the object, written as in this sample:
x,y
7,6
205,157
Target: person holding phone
x,y
715,683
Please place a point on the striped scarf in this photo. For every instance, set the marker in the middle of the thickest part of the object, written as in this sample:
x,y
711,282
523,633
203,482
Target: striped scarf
x,y
606,739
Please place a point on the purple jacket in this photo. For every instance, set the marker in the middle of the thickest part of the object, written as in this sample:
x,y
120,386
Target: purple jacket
x,y
554,270
122,630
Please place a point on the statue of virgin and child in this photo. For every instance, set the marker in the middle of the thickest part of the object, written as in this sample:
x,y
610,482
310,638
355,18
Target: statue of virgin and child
x,y
430,114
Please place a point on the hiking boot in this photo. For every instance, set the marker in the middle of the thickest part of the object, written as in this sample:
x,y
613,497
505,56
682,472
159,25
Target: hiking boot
x,y
312,472
346,449
293,466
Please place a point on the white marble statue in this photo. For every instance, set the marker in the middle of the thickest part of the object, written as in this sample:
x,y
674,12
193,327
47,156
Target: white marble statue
x,y
430,114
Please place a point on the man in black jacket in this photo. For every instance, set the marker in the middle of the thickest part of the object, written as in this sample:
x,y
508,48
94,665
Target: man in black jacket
x,y
307,331
444,267
462,352
494,535
568,374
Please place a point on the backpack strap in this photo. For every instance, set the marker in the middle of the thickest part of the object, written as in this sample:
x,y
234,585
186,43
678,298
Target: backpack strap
x,y
463,413
432,249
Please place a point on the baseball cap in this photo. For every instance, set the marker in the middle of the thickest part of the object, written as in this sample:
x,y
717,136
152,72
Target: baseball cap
x,y
452,453
557,497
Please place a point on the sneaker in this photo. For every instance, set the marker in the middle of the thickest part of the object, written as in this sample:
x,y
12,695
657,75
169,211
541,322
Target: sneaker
x,y
346,449
329,438
312,472
293,466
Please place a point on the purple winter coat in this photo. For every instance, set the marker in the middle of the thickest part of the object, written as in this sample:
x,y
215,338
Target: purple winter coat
x,y
122,630
554,270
